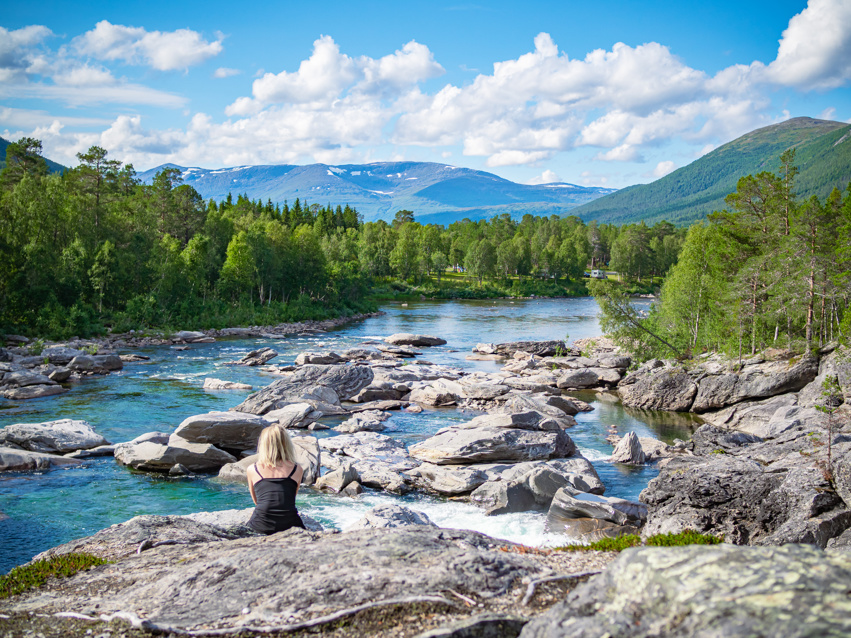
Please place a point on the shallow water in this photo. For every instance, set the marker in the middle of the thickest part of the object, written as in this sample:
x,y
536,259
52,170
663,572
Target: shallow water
x,y
48,508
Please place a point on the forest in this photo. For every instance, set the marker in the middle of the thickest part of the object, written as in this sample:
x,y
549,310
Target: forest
x,y
768,271
92,249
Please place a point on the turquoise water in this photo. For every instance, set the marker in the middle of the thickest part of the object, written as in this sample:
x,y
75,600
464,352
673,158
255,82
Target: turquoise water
x,y
47,508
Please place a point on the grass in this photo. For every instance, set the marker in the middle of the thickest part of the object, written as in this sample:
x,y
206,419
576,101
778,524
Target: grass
x,y
35,574
620,543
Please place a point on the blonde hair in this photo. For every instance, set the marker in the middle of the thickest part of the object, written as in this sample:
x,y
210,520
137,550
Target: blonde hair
x,y
275,445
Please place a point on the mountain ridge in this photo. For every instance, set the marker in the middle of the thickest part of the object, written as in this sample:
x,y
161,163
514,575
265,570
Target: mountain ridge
x,y
688,194
437,193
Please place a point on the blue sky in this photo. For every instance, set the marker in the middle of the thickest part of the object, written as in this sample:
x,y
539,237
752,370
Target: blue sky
x,y
604,94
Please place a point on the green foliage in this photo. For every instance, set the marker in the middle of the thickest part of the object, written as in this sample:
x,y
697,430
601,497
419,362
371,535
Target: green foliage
x,y
620,543
35,574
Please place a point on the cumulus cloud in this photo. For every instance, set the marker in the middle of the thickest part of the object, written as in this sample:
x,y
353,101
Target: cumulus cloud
x,y
547,177
164,51
224,72
20,51
663,168
815,50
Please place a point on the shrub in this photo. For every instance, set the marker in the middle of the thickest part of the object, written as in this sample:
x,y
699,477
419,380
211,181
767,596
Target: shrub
x,y
620,543
35,574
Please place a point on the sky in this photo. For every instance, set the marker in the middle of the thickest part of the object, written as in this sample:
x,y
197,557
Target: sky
x,y
597,94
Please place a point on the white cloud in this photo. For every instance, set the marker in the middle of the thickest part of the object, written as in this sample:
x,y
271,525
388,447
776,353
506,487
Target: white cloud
x,y
622,153
19,51
828,114
224,72
547,177
663,168
84,76
815,50
164,51
74,95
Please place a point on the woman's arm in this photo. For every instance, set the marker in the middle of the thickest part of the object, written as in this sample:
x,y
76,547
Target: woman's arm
x,y
249,475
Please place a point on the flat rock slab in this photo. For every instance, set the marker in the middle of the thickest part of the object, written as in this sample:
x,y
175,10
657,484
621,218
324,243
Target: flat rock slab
x,y
720,590
52,437
13,460
407,339
237,584
483,445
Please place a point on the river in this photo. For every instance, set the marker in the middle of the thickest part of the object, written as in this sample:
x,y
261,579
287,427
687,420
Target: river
x,y
39,510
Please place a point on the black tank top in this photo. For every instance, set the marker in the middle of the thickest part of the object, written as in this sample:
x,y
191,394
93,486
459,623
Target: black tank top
x,y
275,510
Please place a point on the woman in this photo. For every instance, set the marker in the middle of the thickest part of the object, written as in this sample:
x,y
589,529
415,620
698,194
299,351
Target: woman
x,y
273,482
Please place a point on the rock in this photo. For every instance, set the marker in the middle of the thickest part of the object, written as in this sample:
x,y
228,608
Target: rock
x,y
25,378
179,470
294,415
590,530
60,355
218,384
307,455
158,457
480,626
323,359
109,362
343,380
748,416
386,516
368,421
528,420
568,504
449,480
226,430
133,358
95,452
502,497
441,392
719,590
537,348
400,351
352,490
628,451
658,389
188,335
16,460
194,587
52,437
377,394
453,446
754,382
407,339
258,357
82,363
60,375
33,392
584,378
337,480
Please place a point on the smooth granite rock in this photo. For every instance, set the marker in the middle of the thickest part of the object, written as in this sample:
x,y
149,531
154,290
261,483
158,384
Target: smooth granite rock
x,y
460,446
226,430
151,456
792,591
17,460
386,516
52,437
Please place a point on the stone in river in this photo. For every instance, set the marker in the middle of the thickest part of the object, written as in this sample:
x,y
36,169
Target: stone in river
x,y
188,335
16,460
219,384
384,516
568,504
720,590
344,380
450,480
158,457
326,358
52,437
294,415
33,392
337,480
368,421
628,451
481,445
650,388
230,430
25,378
407,339
60,375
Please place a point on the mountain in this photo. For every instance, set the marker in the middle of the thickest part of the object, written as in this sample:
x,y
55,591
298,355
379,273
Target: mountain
x,y
437,193
52,166
690,193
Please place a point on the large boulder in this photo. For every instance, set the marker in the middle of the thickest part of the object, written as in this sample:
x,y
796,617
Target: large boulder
x,y
17,460
660,388
226,430
459,446
60,355
392,515
195,586
366,421
52,437
628,451
407,339
337,480
33,392
219,384
343,380
295,415
570,504
749,416
683,592
835,366
753,382
153,456
448,480
538,348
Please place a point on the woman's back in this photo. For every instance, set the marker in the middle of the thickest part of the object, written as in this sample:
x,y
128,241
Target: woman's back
x,y
275,499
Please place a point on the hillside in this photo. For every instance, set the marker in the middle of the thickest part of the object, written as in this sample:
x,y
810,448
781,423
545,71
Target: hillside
x,y
52,166
437,193
693,191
